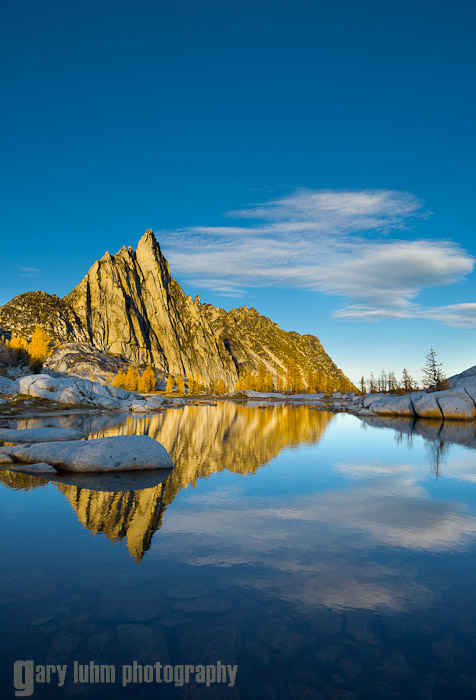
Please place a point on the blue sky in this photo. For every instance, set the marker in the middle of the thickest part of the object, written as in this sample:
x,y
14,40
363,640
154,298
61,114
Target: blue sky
x,y
312,159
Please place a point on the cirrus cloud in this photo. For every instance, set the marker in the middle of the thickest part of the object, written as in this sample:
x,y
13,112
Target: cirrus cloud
x,y
340,243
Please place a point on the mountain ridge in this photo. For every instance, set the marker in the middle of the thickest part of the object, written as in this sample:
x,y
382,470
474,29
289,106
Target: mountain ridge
x,y
128,305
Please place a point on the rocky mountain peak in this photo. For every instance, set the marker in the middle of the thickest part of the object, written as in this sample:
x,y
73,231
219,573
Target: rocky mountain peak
x,y
128,306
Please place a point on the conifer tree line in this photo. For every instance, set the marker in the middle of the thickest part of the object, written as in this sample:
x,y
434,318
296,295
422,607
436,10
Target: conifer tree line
x,y
18,350
433,378
292,381
133,380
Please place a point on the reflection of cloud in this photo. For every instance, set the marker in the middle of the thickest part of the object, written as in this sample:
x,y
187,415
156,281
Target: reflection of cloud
x,y
394,512
368,470
331,242
402,519
310,549
461,467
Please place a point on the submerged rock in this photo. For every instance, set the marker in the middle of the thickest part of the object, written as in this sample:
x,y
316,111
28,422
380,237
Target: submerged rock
x,y
36,469
40,435
109,454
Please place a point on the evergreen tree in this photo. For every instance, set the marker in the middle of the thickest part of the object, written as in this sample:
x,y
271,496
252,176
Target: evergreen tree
x,y
363,387
392,382
407,381
432,373
372,384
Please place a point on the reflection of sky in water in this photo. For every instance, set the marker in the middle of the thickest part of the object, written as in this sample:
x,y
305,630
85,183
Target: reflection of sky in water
x,y
342,519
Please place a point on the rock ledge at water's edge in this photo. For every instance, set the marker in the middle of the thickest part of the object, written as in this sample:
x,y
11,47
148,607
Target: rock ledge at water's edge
x,y
456,403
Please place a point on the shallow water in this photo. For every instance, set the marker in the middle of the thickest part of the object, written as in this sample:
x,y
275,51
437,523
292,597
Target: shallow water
x,y
325,556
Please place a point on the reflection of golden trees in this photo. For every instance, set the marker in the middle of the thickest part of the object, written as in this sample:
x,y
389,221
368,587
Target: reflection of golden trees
x,y
201,440
20,482
205,439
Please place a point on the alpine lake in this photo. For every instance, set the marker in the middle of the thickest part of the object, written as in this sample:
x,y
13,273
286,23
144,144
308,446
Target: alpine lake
x,y
325,556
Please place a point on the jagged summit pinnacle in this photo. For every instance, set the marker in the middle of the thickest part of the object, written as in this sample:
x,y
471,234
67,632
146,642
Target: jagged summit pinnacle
x,y
148,238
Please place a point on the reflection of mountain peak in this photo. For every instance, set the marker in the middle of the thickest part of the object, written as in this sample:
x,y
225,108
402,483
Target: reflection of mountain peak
x,y
135,515
201,440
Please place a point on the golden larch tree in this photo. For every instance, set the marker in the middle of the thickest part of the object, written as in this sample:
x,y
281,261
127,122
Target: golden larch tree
x,y
170,384
39,346
130,382
146,381
119,380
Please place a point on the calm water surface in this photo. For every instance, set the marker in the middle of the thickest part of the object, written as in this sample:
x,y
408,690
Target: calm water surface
x,y
328,557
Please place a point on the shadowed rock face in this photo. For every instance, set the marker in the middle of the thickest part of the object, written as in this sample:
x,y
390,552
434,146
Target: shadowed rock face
x,y
201,440
128,305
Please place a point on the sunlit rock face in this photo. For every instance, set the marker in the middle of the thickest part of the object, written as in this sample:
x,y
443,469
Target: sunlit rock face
x,y
129,306
201,441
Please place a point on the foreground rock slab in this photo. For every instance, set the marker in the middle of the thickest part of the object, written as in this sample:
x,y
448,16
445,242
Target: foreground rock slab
x,y
40,435
111,454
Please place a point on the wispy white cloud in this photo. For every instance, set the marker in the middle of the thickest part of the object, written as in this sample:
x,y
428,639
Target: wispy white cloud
x,y
459,315
339,243
27,271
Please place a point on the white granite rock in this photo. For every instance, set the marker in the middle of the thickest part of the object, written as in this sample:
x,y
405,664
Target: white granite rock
x,y
464,379
426,406
140,407
75,391
119,453
456,407
369,399
393,405
40,435
305,397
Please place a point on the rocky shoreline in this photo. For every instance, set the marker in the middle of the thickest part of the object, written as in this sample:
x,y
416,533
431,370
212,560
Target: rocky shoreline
x,y
43,392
